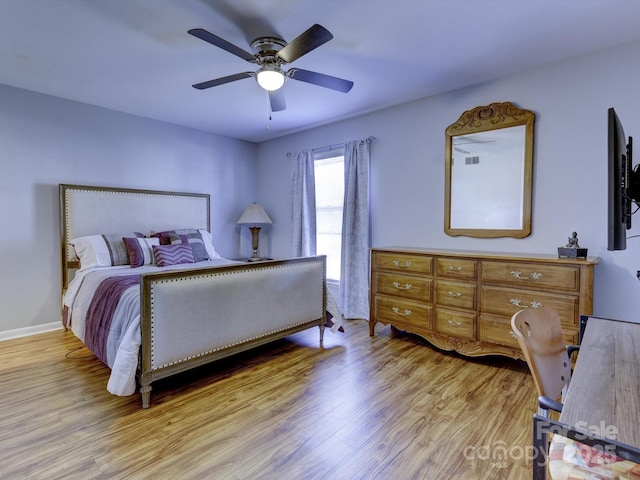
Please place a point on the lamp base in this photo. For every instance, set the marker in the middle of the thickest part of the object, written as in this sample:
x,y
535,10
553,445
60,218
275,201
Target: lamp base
x,y
258,259
255,231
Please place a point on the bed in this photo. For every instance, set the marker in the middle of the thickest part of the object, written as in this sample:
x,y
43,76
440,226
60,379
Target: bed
x,y
144,288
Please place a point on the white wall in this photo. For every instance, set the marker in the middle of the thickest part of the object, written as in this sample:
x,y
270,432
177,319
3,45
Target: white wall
x,y
45,141
570,100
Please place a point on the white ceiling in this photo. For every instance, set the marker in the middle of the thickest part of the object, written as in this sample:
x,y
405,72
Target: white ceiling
x,y
135,56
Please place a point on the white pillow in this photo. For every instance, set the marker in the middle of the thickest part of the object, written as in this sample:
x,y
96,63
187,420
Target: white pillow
x,y
208,244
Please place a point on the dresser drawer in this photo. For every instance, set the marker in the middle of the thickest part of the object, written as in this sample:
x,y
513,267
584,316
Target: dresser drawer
x,y
456,324
403,262
406,286
456,268
525,275
456,294
497,330
400,311
507,301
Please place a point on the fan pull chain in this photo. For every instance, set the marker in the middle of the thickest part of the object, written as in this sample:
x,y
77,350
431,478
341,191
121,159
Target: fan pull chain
x,y
268,127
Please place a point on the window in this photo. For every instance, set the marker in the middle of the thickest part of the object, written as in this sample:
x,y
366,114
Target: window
x,y
329,175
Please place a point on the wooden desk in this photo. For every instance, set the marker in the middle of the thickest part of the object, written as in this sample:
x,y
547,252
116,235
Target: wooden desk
x,y
604,393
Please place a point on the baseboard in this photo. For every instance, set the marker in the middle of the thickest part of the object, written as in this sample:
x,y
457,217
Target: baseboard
x,y
28,331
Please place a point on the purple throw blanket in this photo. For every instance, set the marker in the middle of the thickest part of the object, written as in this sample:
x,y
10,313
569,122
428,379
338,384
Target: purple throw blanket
x,y
101,310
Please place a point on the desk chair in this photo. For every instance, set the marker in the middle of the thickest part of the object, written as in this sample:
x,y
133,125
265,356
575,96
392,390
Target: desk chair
x,y
539,335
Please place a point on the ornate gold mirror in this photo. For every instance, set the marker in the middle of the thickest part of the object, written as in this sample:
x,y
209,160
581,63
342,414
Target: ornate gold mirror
x,y
488,172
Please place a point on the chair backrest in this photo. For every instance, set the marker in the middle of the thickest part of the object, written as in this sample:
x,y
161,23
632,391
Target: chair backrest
x,y
539,334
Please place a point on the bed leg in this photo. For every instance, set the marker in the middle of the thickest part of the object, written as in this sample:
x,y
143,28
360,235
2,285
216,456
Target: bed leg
x,y
322,327
145,392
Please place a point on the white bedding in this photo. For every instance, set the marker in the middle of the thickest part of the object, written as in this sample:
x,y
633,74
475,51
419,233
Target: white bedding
x,y
124,339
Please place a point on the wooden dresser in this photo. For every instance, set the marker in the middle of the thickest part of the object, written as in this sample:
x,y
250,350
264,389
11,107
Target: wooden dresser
x,y
464,301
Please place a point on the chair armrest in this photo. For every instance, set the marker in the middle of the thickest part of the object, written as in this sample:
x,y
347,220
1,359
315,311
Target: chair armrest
x,y
572,348
549,404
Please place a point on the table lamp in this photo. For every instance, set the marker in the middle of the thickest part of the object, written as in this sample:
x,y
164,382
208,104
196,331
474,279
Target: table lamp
x,y
255,216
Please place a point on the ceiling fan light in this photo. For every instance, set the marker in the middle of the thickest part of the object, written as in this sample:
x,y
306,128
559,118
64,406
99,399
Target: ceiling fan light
x,y
270,78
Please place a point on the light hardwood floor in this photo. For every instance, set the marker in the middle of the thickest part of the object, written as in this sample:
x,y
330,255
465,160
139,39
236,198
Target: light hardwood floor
x,y
384,407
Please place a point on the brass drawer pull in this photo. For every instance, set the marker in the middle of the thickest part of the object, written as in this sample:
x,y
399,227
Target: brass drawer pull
x,y
406,264
397,311
533,276
454,294
457,268
407,286
532,304
455,324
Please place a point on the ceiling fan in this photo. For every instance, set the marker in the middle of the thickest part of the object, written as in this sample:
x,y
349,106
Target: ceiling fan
x,y
270,53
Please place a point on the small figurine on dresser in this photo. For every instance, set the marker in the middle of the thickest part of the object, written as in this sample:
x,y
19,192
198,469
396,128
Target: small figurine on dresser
x,y
572,248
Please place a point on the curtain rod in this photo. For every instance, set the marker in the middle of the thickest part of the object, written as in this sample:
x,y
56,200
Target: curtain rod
x,y
328,148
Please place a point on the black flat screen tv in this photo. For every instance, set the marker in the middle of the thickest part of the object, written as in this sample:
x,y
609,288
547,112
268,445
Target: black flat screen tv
x,y
623,183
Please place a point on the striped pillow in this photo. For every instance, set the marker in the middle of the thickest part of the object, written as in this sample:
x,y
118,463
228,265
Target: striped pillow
x,y
173,254
187,236
105,250
140,250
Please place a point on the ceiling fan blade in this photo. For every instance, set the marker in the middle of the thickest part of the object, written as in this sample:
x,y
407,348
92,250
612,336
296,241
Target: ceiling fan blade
x,y
320,79
202,34
223,80
304,43
277,101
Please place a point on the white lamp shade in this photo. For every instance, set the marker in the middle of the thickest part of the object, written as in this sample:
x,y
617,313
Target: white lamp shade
x,y
270,78
254,214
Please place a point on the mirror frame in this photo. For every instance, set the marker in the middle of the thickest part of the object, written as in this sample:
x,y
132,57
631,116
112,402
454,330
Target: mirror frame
x,y
481,119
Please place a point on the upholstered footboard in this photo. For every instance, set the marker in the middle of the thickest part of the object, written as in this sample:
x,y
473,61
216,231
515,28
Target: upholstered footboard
x,y
189,318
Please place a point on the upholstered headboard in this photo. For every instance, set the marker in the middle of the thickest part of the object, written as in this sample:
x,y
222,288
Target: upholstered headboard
x,y
91,210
